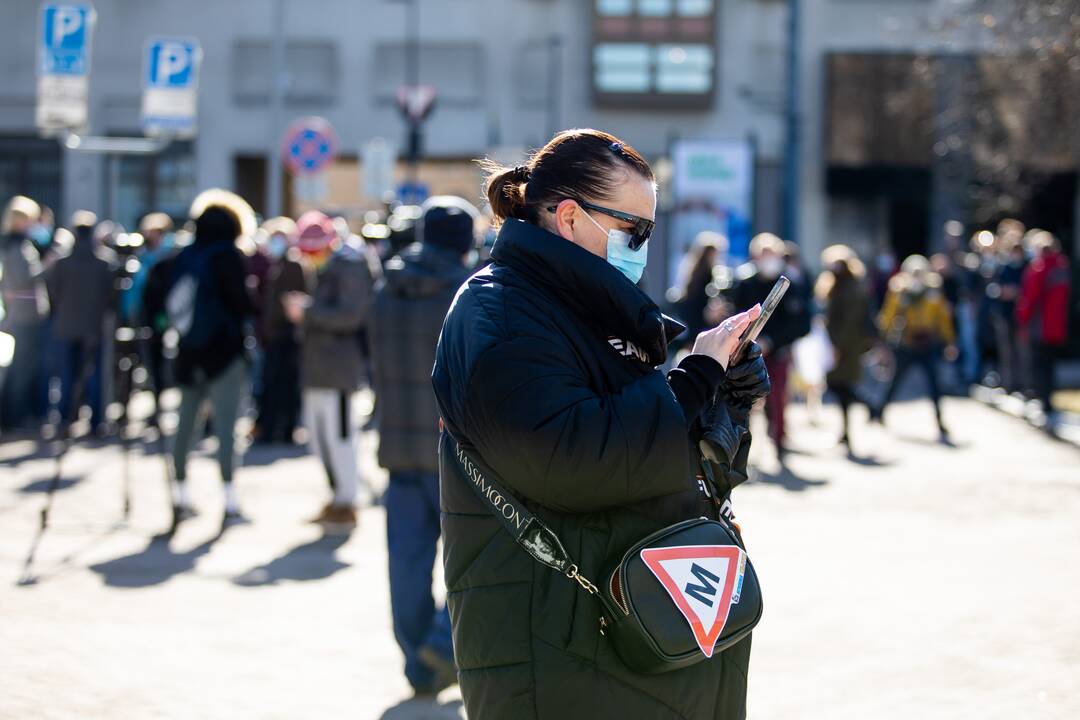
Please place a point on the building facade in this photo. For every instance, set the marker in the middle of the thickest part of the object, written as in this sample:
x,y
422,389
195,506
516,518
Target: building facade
x,y
507,73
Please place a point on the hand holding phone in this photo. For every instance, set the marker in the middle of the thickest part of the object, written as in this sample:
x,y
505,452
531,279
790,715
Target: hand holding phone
x,y
720,342
771,302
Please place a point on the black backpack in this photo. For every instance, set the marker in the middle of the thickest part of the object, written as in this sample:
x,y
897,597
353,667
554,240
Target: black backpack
x,y
194,304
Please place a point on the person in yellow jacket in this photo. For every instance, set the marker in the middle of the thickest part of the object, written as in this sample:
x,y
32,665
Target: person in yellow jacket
x,y
916,322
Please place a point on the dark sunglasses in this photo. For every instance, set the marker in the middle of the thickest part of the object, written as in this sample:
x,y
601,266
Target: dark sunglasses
x,y
642,228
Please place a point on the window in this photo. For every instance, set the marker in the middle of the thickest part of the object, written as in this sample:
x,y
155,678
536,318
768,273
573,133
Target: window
x,y
456,70
659,53
654,8
30,166
312,68
684,68
614,8
623,67
695,8
146,183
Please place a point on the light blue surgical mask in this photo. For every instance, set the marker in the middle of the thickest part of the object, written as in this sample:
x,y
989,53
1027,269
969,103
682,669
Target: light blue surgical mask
x,y
277,247
630,263
40,234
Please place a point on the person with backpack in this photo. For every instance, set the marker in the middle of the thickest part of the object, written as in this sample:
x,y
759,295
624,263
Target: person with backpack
x,y
208,307
331,356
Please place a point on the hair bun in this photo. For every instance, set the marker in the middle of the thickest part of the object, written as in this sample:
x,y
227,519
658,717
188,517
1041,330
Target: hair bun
x,y
521,173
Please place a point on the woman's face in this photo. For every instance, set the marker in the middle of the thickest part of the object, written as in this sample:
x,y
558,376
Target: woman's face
x,y
635,195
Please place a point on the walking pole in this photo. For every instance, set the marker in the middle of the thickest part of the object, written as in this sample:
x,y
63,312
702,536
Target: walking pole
x,y
125,448
64,444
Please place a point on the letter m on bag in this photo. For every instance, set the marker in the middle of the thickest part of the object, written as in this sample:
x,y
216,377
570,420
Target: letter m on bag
x,y
701,581
707,585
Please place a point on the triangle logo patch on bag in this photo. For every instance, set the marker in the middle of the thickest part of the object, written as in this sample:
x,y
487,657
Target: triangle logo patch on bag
x,y
704,581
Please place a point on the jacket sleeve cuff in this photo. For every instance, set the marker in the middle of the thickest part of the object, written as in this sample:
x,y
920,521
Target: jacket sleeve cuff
x,y
694,383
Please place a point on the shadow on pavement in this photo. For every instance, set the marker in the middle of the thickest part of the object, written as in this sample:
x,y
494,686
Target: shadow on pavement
x,y
931,442
424,709
311,561
261,455
867,461
788,480
41,451
42,485
153,565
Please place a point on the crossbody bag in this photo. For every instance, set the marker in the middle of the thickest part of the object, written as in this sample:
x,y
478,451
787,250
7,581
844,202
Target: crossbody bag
x,y
676,598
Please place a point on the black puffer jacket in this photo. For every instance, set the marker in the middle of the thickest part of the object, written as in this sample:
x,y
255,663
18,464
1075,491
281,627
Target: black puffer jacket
x,y
546,368
406,316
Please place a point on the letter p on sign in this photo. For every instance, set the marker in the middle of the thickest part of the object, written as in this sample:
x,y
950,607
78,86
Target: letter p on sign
x,y
172,64
66,23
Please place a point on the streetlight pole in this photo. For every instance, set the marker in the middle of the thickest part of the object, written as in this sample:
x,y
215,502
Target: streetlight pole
x,y
793,145
412,71
554,73
278,83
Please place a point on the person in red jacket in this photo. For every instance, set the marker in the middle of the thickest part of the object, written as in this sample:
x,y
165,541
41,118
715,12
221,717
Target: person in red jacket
x,y
1042,311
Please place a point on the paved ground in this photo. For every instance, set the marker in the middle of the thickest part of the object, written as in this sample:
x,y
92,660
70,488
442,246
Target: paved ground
x,y
918,581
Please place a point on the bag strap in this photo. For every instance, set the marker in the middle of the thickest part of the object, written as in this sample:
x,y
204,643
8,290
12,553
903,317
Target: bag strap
x,y
528,531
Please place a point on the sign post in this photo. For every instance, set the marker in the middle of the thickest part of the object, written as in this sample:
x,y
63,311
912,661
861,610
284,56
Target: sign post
x,y
171,87
63,87
416,103
378,160
308,148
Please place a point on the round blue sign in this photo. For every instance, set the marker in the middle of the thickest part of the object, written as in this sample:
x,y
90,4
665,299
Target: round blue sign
x,y
309,146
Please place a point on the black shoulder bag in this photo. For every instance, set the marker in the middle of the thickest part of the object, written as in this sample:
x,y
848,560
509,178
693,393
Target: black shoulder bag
x,y
672,600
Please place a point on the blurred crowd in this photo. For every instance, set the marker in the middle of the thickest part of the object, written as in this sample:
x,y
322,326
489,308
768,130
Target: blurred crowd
x,y
286,312
297,315
993,311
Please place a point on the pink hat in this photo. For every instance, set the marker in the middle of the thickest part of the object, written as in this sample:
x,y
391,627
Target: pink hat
x,y
315,231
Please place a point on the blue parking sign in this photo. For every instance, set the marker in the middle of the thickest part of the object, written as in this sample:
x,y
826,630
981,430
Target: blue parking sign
x,y
172,63
65,40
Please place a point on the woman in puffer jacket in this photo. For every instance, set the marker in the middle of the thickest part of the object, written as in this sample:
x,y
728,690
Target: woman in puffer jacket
x,y
547,370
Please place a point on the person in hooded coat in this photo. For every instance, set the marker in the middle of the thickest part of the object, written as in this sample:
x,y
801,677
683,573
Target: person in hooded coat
x,y
547,370
410,304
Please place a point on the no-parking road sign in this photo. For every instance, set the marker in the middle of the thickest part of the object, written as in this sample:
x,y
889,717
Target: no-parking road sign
x,y
309,146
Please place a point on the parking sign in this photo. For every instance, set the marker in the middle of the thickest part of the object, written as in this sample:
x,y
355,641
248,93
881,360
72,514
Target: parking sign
x,y
65,42
171,86
64,66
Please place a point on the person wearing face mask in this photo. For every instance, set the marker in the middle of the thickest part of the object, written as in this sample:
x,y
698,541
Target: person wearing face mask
x,y
916,323
331,357
547,370
789,322
278,402
26,308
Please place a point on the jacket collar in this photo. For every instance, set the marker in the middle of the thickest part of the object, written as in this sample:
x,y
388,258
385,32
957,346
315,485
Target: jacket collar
x,y
595,290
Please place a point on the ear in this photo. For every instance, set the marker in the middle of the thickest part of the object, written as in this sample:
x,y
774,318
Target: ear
x,y
565,216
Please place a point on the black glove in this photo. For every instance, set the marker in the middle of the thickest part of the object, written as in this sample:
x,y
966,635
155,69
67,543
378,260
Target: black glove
x,y
746,383
725,446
